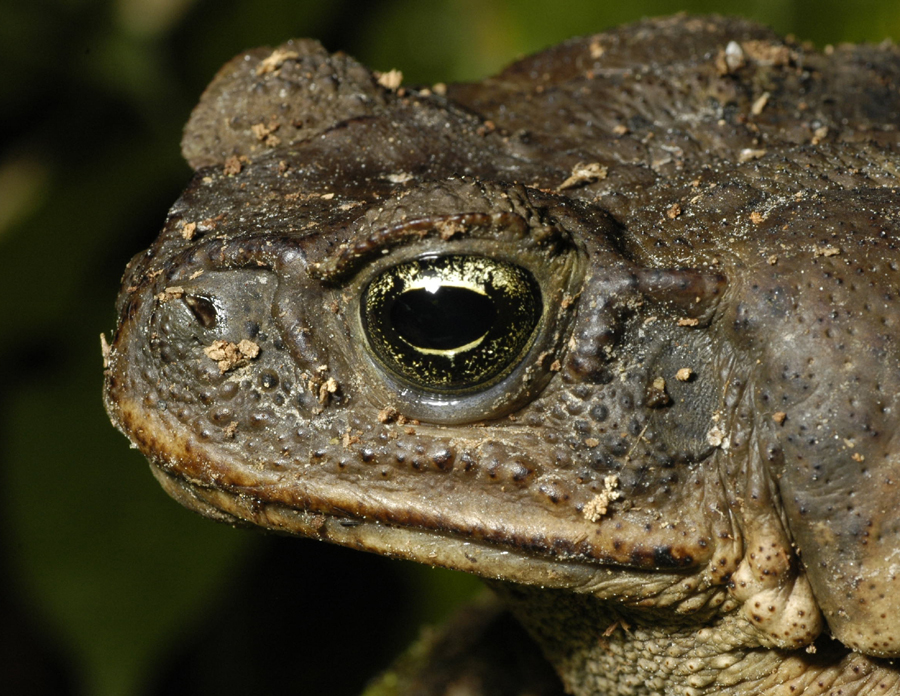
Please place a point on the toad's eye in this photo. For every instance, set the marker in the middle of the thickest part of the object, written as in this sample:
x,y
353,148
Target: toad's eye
x,y
451,323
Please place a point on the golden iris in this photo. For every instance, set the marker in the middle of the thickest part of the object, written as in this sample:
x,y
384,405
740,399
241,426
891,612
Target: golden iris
x,y
451,323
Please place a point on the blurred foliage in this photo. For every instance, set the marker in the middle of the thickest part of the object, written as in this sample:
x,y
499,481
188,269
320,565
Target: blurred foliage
x,y
108,587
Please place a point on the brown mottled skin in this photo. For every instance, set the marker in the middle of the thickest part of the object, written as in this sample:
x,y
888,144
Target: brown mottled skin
x,y
733,533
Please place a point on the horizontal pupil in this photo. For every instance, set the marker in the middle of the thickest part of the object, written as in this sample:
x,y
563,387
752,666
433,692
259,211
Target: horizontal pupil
x,y
449,318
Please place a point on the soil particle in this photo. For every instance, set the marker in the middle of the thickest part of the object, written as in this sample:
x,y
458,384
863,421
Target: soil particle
x,y
228,355
392,79
275,60
188,230
684,374
584,173
598,506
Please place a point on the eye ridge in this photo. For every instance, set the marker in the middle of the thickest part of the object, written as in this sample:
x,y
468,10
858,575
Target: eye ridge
x,y
451,323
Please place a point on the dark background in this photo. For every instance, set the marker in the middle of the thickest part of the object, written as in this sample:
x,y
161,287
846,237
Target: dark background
x,y
106,586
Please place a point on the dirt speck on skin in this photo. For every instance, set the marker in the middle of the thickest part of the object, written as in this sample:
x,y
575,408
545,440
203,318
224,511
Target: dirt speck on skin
x,y
749,154
104,350
760,104
175,292
688,321
827,250
730,59
757,218
684,374
388,414
584,173
596,49
328,387
767,52
234,165
656,396
392,79
598,506
718,438
447,229
228,355
486,128
779,417
400,177
674,211
265,133
275,60
188,230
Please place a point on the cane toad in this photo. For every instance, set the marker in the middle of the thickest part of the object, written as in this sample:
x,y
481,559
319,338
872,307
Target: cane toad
x,y
617,329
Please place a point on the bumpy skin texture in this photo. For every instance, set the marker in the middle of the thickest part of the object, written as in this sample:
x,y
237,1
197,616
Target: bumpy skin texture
x,y
657,531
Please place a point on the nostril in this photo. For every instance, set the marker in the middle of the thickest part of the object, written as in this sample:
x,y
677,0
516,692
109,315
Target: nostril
x,y
203,309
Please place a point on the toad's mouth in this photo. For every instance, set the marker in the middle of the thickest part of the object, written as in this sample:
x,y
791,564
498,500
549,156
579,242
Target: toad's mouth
x,y
489,560
488,536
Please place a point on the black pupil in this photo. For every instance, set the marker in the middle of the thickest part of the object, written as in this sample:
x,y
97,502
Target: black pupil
x,y
448,318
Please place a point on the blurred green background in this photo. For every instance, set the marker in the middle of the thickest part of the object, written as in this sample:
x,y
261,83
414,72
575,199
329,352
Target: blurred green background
x,y
107,587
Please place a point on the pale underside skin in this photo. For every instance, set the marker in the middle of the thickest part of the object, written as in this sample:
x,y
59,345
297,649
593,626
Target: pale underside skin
x,y
684,482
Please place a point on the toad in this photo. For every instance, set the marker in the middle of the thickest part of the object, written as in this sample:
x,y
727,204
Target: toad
x,y
617,329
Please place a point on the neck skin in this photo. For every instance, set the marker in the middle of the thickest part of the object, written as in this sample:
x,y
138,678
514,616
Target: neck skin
x,y
600,648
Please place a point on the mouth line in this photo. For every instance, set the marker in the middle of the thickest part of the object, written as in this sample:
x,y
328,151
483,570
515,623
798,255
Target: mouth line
x,y
487,559
536,547
616,559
